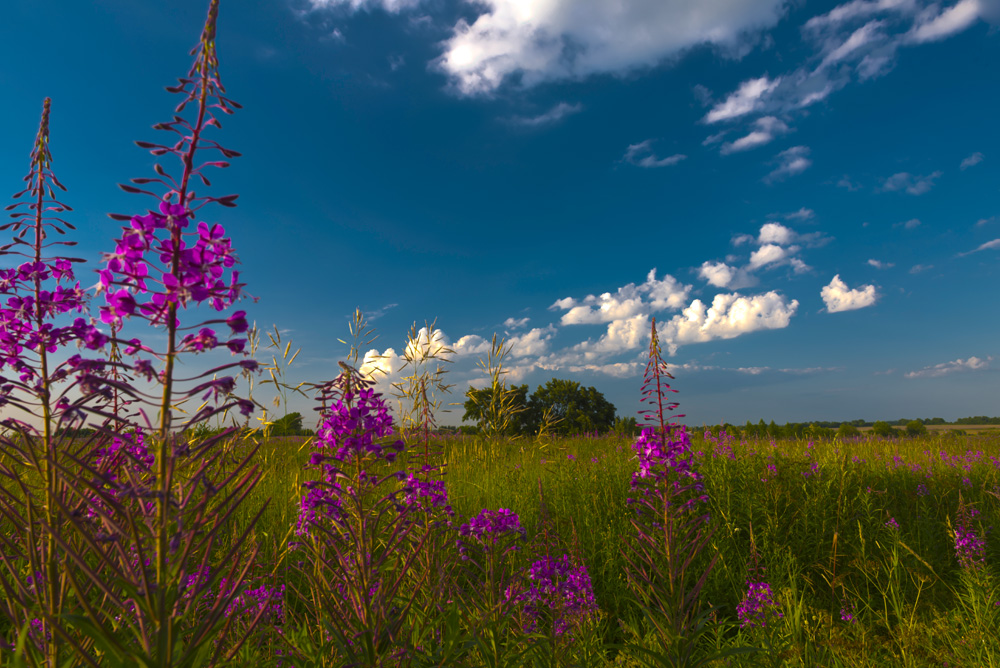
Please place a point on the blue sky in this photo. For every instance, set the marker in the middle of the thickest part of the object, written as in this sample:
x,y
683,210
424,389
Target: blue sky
x,y
805,195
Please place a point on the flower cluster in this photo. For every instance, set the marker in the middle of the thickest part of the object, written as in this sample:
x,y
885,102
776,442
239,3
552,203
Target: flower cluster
x,y
666,459
265,601
758,606
488,527
125,450
558,589
196,266
353,429
425,495
969,547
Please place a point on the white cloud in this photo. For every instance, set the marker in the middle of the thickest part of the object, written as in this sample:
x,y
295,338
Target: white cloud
x,y
381,367
971,161
881,265
642,155
512,323
989,245
548,40
721,275
550,117
911,224
729,316
838,297
914,185
790,162
945,368
650,296
769,254
532,343
775,233
621,335
767,128
920,268
950,21
471,344
986,221
747,98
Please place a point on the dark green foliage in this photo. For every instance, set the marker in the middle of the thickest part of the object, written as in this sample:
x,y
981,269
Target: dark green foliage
x,y
883,429
847,430
577,409
915,428
289,425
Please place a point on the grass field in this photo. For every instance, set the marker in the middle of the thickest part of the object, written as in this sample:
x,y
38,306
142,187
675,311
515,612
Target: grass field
x,y
815,521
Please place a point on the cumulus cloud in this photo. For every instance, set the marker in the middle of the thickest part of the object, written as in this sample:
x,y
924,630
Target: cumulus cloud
x,y
622,335
650,296
769,254
721,275
729,316
989,245
878,264
747,98
765,130
791,161
945,368
532,343
838,297
533,42
914,185
641,155
550,117
775,233
471,344
971,161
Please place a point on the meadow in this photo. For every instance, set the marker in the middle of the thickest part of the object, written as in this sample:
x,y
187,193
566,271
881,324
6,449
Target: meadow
x,y
133,535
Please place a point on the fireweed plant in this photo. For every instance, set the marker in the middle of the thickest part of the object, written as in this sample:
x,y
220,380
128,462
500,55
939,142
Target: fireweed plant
x,y
354,536
34,498
132,537
671,529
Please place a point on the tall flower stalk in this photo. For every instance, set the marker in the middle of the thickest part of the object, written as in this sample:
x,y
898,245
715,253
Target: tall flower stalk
x,y
39,293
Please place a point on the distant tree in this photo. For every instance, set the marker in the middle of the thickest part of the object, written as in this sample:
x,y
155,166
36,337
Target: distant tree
x,y
773,430
935,420
288,425
883,429
915,428
523,419
578,409
847,430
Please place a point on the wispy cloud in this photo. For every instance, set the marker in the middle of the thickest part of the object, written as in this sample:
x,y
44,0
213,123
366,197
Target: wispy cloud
x,y
791,161
550,117
946,368
952,20
747,98
802,214
971,161
989,245
880,265
765,131
920,268
515,323
912,184
838,297
641,155
911,224
986,221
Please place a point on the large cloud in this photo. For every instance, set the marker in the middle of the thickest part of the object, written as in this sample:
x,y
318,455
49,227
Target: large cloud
x,y
548,40
729,316
838,297
652,295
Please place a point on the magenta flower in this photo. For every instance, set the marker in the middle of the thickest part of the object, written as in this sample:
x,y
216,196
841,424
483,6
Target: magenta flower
x,y
557,589
758,606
